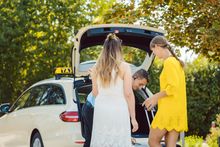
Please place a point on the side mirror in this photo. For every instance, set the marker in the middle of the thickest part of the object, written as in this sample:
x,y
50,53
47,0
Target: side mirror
x,y
4,108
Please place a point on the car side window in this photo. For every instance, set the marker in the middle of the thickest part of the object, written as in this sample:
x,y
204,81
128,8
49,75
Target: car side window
x,y
43,100
47,94
36,95
53,96
20,103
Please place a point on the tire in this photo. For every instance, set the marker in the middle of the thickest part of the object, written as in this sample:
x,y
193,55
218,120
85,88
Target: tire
x,y
36,140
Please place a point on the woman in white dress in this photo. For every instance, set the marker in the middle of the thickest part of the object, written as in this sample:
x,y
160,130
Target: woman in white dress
x,y
114,103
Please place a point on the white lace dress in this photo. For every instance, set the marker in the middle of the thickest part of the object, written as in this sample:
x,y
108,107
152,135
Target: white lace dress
x,y
111,123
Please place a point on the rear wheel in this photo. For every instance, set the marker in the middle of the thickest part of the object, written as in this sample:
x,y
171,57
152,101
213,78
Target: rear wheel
x,y
36,140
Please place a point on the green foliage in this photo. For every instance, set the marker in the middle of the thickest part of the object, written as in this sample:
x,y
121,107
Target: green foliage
x,y
131,55
154,72
207,41
35,37
214,133
91,53
119,13
203,93
193,141
193,24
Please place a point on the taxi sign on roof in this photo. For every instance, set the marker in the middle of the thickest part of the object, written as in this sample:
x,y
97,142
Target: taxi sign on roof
x,y
63,71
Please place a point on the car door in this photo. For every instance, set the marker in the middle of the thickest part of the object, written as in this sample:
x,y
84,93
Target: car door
x,y
46,115
11,123
18,124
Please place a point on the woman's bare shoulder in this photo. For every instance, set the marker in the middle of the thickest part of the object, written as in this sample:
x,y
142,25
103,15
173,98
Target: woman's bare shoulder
x,y
124,66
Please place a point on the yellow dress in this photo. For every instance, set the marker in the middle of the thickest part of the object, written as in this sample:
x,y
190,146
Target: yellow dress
x,y
172,109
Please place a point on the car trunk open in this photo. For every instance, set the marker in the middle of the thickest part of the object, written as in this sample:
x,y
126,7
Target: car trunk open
x,y
131,35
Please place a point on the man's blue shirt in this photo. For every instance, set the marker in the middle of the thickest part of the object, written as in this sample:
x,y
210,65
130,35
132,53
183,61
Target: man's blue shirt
x,y
91,99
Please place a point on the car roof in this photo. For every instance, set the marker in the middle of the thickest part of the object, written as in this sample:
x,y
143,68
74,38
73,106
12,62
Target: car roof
x,y
59,81
53,80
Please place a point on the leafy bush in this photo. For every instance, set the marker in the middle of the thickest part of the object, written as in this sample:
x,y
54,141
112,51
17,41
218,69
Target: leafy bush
x,y
215,133
203,93
193,141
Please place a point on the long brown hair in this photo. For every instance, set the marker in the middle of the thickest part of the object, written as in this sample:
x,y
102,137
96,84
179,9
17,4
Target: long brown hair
x,y
109,59
162,42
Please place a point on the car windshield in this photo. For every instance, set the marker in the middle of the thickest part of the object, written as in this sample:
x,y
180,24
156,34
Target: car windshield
x,y
131,55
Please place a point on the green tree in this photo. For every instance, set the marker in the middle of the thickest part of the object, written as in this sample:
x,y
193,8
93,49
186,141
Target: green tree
x,y
193,24
35,37
48,38
203,92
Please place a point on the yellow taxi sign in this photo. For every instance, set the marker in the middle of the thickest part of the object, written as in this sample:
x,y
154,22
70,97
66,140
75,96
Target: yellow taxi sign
x,y
63,71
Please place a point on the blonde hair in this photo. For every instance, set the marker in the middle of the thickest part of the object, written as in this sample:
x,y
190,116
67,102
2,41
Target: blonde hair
x,y
162,42
109,59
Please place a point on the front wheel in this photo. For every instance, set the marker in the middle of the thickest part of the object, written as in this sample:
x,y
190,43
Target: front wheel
x,y
36,140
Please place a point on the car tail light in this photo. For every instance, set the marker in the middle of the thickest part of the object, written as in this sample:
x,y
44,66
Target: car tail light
x,y
79,142
69,116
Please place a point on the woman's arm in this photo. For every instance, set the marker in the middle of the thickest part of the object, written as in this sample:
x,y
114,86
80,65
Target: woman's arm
x,y
128,92
94,81
171,76
152,101
129,95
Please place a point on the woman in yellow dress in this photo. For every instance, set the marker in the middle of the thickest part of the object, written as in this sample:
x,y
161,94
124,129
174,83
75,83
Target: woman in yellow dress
x,y
171,117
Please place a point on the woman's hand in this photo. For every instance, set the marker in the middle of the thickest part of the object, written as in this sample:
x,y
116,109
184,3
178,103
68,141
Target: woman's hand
x,y
150,102
134,125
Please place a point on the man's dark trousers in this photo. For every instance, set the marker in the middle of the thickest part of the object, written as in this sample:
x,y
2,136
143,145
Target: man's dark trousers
x,y
87,116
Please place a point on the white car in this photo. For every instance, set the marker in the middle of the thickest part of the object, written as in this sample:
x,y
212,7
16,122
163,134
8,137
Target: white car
x,y
48,114
44,115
